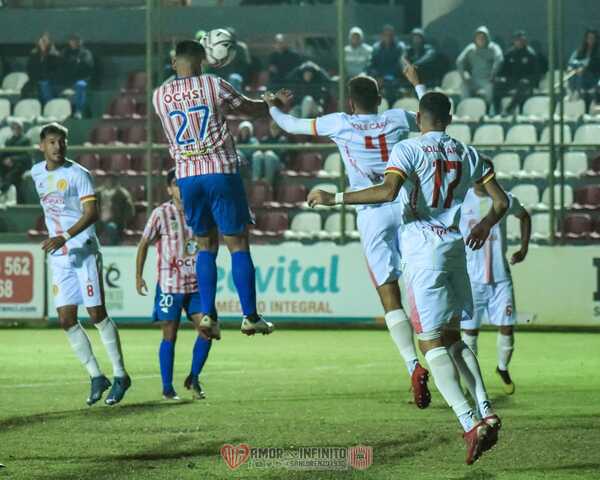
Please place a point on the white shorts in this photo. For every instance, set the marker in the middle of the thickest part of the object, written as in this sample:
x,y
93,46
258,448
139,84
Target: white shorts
x,y
494,301
436,296
77,280
379,231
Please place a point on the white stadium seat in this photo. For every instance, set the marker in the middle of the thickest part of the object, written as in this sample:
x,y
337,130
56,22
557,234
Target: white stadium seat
x,y
535,109
5,133
333,225
528,195
544,85
409,104
568,136
470,110
4,108
57,109
489,134
13,83
513,227
33,134
452,83
574,109
536,165
521,135
305,225
28,108
459,131
328,187
333,164
585,134
507,164
540,226
568,197
576,164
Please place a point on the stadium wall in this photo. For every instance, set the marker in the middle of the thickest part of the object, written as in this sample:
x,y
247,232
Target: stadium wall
x,y
324,284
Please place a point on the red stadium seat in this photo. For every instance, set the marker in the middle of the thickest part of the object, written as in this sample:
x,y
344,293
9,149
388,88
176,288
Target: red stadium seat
x,y
307,162
141,109
259,193
587,197
271,223
122,106
261,127
578,226
104,133
136,81
290,195
91,161
594,166
136,133
119,163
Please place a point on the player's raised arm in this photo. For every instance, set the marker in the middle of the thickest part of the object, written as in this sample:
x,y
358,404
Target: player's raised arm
x,y
481,231
288,123
525,222
412,75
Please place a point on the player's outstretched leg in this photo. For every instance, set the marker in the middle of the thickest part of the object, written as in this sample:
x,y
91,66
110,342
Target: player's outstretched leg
x,y
470,338
199,356
505,345
80,343
112,343
166,358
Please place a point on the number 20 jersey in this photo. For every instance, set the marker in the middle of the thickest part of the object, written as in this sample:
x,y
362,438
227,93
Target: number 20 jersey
x,y
192,111
438,171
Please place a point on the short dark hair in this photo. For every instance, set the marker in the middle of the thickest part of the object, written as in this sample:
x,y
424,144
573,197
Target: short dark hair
x,y
190,49
437,105
54,128
364,92
170,176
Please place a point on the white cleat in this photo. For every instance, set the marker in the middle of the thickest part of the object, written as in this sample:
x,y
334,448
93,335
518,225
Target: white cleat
x,y
250,327
211,327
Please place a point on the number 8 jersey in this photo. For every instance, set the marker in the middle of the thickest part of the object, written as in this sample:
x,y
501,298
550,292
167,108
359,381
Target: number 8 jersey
x,y
438,171
192,112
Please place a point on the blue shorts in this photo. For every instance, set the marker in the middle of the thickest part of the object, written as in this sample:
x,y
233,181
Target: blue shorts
x,y
169,306
213,200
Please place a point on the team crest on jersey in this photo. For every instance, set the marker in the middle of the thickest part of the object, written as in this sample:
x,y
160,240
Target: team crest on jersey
x,y
61,185
191,247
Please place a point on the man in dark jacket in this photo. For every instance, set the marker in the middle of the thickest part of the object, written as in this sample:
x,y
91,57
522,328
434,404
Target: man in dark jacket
x,y
282,61
13,165
43,66
386,62
423,56
310,84
78,68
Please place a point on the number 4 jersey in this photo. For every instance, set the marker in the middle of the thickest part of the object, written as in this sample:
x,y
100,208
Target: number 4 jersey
x,y
192,112
438,171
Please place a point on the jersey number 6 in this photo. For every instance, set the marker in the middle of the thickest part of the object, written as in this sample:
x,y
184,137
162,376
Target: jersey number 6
x,y
442,167
187,117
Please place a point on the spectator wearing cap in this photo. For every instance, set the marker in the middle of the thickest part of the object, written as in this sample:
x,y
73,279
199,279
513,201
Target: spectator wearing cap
x,y
520,73
357,54
12,164
282,61
423,56
478,65
585,62
78,69
310,84
116,209
386,62
43,65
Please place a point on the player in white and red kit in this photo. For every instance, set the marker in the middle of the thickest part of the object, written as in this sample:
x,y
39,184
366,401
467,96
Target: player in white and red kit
x,y
176,289
491,281
192,110
67,196
365,139
439,170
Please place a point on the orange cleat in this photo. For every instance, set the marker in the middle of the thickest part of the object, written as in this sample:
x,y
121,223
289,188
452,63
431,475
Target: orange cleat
x,y
475,440
494,423
419,387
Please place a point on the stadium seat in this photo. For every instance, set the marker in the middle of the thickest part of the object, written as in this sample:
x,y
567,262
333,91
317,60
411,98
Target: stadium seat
x,y
451,83
540,226
594,169
333,164
141,109
119,163
305,225
587,197
576,164
136,82
513,228
135,134
489,134
122,107
259,192
573,109
410,104
578,226
568,192
567,133
4,108
536,165
28,109
521,135
470,110
13,83
306,163
39,231
104,133
587,134
33,134
544,85
459,131
535,109
507,165
139,221
383,106
5,133
527,194
57,109
328,187
291,195
333,226
272,223
91,161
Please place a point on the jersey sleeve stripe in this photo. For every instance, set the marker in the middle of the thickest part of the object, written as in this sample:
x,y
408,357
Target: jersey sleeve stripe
x,y
486,178
88,198
314,127
396,171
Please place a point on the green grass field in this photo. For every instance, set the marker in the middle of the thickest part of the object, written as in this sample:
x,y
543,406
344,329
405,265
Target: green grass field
x,y
295,388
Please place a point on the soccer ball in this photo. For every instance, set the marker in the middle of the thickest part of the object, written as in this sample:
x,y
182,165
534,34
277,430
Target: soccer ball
x,y
219,45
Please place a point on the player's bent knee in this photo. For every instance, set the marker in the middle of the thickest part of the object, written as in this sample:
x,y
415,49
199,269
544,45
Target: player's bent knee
x,y
97,314
471,331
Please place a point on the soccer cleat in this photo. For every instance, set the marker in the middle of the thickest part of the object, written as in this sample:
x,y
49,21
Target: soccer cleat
x,y
211,327
256,325
171,394
193,384
99,385
507,383
117,392
475,439
494,423
419,386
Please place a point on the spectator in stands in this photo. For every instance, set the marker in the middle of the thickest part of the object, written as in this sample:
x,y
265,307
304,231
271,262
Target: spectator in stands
x,y
12,164
282,61
245,136
478,65
585,61
266,163
386,62
116,209
43,67
423,56
77,68
357,54
310,84
520,73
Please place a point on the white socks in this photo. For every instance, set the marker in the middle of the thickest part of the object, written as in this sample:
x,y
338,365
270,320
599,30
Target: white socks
x,y
402,334
468,366
80,343
471,341
446,379
110,338
505,345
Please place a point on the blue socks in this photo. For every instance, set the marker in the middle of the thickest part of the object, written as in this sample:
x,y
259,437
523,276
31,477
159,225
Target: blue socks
x,y
199,355
206,273
244,279
166,356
